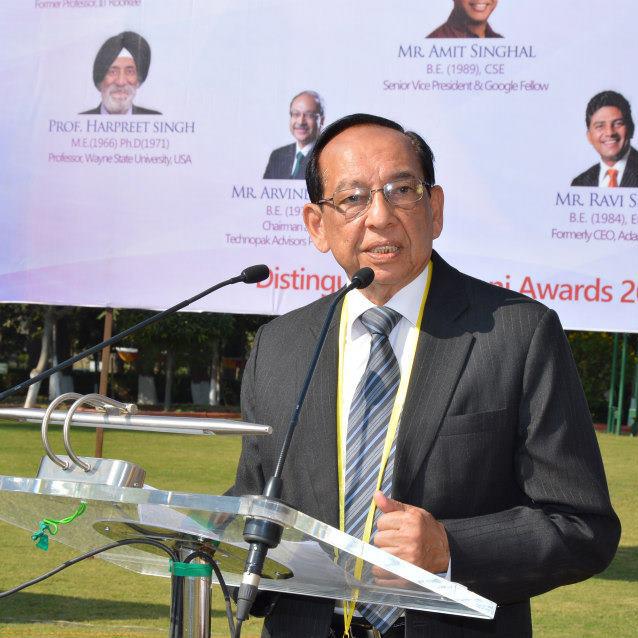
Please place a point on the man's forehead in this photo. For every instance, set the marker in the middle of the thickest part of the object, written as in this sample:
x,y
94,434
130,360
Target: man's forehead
x,y
305,98
606,113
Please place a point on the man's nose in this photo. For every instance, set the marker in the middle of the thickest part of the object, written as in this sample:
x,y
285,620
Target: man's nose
x,y
380,211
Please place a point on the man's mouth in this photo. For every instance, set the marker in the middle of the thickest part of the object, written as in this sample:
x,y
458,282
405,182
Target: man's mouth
x,y
386,249
611,143
119,91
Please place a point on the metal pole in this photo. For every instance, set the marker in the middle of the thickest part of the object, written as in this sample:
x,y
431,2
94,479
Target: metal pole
x,y
632,419
196,601
612,385
104,375
621,383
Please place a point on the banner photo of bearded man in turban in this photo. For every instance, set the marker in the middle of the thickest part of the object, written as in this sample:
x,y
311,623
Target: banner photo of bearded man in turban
x,y
121,66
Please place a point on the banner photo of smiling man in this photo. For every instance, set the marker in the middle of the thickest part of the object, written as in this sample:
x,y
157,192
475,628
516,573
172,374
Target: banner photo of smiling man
x,y
121,66
610,128
307,113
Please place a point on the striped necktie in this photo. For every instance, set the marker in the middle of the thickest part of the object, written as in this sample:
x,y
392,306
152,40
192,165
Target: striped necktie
x,y
367,426
296,170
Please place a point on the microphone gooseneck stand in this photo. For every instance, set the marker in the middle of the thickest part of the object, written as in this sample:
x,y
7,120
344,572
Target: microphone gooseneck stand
x,y
260,534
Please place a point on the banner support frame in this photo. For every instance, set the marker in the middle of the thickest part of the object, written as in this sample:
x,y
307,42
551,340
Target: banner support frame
x,y
104,375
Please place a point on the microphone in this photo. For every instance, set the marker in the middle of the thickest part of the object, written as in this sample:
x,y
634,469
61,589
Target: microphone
x,y
260,534
250,275
255,274
362,278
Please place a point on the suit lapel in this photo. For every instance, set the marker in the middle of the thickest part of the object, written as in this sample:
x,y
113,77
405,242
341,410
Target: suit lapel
x,y
442,351
319,423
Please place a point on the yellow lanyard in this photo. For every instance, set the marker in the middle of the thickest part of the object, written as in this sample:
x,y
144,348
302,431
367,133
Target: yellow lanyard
x,y
393,424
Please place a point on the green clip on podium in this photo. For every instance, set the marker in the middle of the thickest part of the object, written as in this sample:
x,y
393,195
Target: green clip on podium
x,y
313,559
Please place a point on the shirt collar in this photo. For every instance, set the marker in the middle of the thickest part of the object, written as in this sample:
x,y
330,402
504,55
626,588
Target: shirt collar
x,y
406,302
305,149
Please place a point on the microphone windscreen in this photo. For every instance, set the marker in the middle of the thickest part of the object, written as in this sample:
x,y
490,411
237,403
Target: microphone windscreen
x,y
363,277
255,274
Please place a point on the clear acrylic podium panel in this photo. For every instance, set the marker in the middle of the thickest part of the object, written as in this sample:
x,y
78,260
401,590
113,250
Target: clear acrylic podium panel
x,y
313,558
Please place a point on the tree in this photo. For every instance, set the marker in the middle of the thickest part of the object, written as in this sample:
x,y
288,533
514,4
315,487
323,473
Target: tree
x,y
592,353
193,340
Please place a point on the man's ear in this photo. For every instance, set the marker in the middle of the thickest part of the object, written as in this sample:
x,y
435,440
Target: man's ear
x,y
437,201
313,218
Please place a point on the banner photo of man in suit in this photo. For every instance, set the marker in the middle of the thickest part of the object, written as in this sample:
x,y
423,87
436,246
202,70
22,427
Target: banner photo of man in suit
x,y
121,66
610,128
307,113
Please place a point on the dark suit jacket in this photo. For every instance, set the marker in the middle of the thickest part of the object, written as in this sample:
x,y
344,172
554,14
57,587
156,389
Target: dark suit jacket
x,y
629,178
496,441
281,162
136,110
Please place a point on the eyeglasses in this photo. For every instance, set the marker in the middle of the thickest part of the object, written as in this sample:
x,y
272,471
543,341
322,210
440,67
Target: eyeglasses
x,y
353,202
305,115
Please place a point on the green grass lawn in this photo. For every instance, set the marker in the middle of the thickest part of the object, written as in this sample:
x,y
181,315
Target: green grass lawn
x,y
98,600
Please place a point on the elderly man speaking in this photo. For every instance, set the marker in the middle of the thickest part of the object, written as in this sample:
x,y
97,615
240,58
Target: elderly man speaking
x,y
121,66
493,475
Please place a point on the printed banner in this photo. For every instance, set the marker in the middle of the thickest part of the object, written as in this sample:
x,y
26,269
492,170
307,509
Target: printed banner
x,y
150,148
